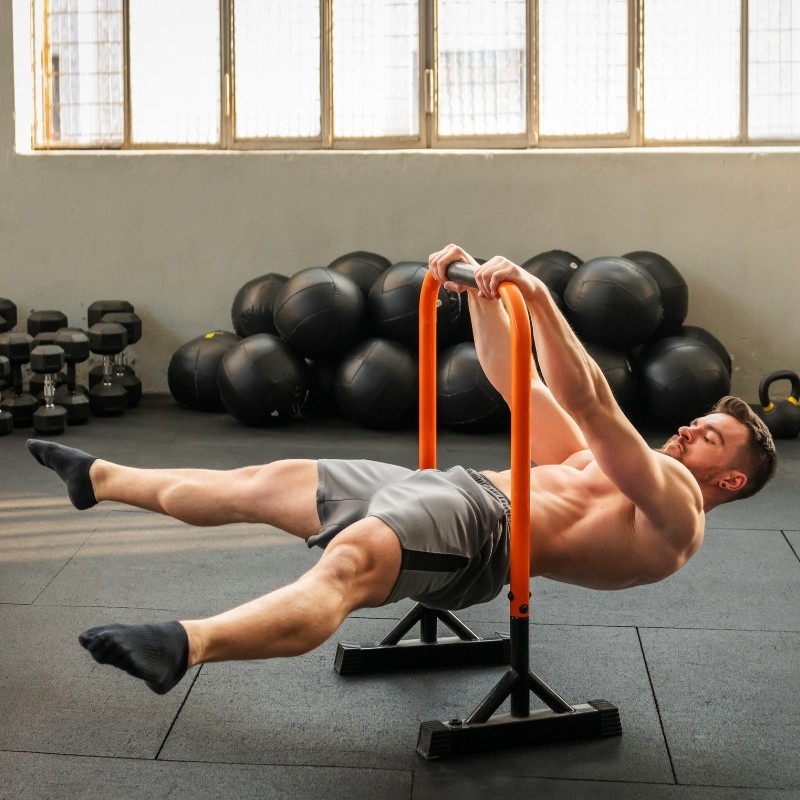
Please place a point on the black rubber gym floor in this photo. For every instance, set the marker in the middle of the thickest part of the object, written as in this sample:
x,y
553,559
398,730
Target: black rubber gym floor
x,y
704,667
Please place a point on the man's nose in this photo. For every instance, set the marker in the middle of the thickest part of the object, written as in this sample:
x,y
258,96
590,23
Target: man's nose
x,y
685,432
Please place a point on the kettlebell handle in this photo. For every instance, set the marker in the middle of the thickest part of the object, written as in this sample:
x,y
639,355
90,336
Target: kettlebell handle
x,y
780,375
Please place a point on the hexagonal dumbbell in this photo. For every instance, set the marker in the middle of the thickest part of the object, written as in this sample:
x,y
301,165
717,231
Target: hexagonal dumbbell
x,y
47,360
5,374
75,398
16,347
121,371
48,321
108,398
8,314
42,325
99,308
6,420
36,382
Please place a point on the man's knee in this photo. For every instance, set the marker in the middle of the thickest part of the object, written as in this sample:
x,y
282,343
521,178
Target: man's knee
x,y
364,561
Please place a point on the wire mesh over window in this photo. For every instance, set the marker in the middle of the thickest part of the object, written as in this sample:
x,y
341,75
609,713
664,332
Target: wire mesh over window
x,y
692,57
482,67
277,68
583,66
375,68
175,71
774,69
80,89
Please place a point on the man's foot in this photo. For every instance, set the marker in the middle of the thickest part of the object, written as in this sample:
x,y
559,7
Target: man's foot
x,y
158,654
71,465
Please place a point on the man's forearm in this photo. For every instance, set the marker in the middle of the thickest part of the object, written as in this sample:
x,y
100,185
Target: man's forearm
x,y
491,331
574,379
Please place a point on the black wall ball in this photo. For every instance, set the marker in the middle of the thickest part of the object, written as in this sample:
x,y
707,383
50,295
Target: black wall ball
x,y
320,312
681,379
376,384
362,266
672,286
554,268
708,338
262,381
393,306
251,311
613,301
465,398
192,371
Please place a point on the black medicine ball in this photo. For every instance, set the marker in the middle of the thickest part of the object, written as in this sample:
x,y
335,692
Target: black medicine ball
x,y
613,301
262,381
320,312
393,306
192,371
376,385
251,311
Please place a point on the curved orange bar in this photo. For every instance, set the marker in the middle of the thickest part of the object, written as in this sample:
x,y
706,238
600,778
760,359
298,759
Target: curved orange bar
x,y
520,449
427,372
520,423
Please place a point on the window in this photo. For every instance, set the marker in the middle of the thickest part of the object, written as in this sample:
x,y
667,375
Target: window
x,y
174,71
79,85
584,68
239,74
277,69
482,60
774,69
692,69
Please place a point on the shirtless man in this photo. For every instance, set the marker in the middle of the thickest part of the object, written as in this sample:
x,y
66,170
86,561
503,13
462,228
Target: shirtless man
x,y
610,512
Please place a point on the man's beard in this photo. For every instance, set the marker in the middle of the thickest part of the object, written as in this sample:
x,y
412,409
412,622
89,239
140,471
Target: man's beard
x,y
672,448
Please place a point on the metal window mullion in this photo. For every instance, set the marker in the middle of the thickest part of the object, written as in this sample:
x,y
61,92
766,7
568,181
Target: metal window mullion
x,y
532,76
326,73
428,76
636,72
744,74
45,80
127,116
226,74
432,38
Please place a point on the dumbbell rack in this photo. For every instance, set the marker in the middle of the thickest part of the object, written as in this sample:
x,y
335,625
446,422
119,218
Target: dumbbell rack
x,y
485,729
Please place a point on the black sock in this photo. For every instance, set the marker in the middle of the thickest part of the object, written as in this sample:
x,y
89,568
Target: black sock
x,y
71,465
158,654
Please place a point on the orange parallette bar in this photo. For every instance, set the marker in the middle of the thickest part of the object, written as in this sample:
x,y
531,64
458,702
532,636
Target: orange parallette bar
x,y
427,372
520,424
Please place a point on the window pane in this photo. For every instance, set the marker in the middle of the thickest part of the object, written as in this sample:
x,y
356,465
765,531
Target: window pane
x,y
175,55
691,69
277,55
774,69
481,51
583,64
82,97
375,67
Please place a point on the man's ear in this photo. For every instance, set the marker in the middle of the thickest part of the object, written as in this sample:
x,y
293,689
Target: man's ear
x,y
733,481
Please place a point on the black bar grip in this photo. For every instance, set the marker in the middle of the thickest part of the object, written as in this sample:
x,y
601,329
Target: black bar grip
x,y
458,272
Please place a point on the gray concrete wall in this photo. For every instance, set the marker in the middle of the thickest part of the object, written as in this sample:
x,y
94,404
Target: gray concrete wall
x,y
178,233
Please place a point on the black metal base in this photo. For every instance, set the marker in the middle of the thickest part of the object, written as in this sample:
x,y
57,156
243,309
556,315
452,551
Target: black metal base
x,y
395,653
594,719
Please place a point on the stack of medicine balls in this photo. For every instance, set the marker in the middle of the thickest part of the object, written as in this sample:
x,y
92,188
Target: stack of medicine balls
x,y
343,339
38,376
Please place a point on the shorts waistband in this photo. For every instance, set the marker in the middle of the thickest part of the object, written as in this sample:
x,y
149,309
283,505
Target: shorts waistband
x,y
481,479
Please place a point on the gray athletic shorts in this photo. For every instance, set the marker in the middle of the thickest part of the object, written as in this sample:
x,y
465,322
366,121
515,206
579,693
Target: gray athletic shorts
x,y
452,526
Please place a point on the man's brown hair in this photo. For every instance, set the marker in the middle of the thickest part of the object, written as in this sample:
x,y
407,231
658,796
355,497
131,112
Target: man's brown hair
x,y
758,458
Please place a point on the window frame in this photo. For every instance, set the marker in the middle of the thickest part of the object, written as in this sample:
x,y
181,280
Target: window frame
x,y
427,135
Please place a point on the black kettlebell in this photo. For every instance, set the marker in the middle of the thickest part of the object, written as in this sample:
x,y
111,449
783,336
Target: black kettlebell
x,y
781,416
